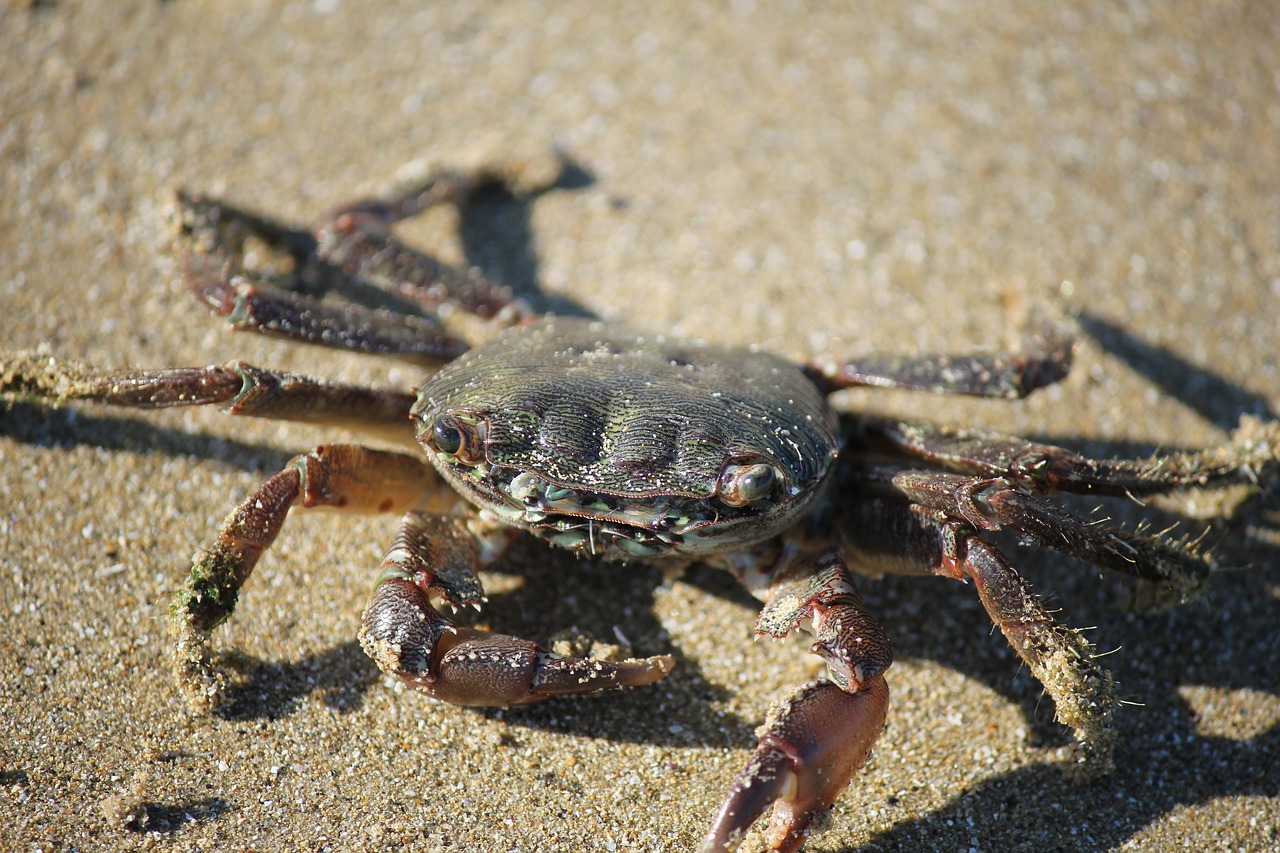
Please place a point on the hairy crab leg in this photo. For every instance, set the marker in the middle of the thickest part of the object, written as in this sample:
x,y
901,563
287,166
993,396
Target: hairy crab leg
x,y
344,477
408,637
1044,359
1173,565
1048,469
353,241
874,532
242,388
812,744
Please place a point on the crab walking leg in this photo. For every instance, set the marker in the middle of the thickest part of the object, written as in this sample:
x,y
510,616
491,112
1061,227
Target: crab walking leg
x,y
812,744
243,388
218,226
212,265
1045,468
1174,565
345,477
354,246
892,535
407,637
252,305
1044,359
1083,692
357,237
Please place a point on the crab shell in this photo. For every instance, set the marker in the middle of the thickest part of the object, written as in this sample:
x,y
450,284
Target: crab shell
x,y
623,445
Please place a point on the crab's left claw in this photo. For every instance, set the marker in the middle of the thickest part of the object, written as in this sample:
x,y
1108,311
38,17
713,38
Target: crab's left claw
x,y
808,750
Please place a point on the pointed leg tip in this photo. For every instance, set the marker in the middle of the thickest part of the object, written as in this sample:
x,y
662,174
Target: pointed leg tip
x,y
201,683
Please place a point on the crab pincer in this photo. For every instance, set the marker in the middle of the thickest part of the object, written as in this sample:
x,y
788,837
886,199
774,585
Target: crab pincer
x,y
408,638
812,743
809,748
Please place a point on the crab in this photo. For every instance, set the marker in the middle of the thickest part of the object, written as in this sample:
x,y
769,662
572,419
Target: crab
x,y
625,446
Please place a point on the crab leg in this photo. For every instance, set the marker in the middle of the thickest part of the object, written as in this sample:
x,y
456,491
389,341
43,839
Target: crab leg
x,y
812,744
1044,359
345,477
1047,469
1174,565
1059,657
407,637
352,241
249,303
357,238
874,531
354,253
243,388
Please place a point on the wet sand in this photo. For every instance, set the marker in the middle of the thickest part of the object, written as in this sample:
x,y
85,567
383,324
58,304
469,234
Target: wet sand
x,y
895,179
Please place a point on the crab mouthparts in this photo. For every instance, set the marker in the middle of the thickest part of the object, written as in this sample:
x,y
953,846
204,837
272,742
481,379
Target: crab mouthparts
x,y
604,523
597,522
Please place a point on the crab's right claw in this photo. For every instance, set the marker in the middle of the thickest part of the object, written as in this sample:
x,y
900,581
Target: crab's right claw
x,y
808,750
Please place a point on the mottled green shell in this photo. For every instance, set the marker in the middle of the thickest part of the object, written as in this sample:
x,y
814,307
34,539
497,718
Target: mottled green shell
x,y
595,406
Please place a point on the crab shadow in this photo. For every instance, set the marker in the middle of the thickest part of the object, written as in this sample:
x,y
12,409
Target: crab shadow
x,y
65,428
1182,770
1216,399
1171,754
497,237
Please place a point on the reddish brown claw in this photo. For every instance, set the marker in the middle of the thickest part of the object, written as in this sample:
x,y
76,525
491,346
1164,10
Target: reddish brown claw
x,y
408,638
498,669
809,749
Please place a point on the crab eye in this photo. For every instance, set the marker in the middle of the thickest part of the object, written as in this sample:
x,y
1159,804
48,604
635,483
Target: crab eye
x,y
745,484
461,438
446,436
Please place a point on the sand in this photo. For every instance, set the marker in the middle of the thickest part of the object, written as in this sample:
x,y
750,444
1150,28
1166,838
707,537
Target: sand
x,y
808,178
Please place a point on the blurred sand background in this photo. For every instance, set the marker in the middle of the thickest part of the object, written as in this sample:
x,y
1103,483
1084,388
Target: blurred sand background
x,y
808,177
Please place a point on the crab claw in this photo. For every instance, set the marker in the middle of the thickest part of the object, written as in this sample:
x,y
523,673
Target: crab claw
x,y
808,750
483,668
408,638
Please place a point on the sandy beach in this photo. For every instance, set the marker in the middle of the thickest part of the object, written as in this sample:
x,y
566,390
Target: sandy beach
x,y
808,178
